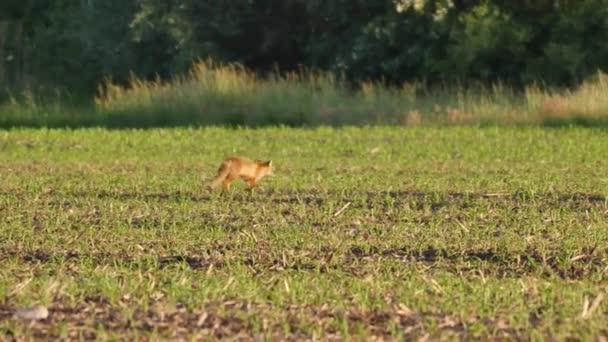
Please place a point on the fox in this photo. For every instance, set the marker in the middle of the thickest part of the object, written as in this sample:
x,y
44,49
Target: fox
x,y
232,168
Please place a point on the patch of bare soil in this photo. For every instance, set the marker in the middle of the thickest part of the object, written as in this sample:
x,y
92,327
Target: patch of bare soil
x,y
45,256
590,260
237,319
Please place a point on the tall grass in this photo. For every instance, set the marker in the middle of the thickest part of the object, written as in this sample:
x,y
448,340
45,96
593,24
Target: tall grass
x,y
229,94
45,108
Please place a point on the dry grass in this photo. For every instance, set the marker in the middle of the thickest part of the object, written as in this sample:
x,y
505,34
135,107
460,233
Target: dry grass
x,y
587,102
413,118
218,94
213,93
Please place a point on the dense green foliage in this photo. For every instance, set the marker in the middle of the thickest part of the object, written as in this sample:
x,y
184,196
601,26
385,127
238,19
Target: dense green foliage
x,y
75,43
461,232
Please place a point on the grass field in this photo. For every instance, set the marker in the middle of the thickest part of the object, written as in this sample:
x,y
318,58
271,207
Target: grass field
x,y
457,232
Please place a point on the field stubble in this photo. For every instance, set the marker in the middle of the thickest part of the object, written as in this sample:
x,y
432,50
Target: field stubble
x,y
362,232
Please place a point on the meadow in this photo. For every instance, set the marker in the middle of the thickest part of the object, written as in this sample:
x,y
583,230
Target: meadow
x,y
369,232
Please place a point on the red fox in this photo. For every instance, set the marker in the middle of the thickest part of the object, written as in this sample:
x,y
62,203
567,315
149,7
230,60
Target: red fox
x,y
252,171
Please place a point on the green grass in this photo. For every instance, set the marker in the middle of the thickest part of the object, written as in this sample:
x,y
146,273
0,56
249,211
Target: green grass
x,y
453,232
229,95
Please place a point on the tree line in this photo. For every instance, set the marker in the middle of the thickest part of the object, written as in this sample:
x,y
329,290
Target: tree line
x,y
76,43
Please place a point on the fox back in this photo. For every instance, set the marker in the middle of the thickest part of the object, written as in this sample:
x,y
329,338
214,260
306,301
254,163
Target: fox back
x,y
240,166
252,171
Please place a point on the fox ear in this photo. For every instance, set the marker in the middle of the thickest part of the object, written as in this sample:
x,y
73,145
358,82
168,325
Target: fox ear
x,y
269,163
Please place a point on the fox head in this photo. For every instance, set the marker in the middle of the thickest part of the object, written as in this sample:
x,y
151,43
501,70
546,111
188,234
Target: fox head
x,y
265,167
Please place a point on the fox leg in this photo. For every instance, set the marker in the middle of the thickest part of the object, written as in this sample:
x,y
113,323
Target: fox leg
x,y
228,180
223,174
226,184
252,182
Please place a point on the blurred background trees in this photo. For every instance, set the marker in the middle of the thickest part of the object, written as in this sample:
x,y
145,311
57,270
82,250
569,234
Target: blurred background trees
x,y
74,44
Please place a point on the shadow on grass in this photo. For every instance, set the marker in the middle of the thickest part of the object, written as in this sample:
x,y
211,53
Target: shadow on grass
x,y
576,121
88,117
